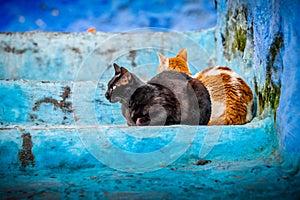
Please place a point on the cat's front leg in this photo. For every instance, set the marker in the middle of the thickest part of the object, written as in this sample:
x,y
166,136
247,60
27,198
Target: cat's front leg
x,y
154,115
143,121
140,117
126,114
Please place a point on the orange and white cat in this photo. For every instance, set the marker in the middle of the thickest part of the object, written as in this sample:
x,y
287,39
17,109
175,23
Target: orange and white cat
x,y
231,97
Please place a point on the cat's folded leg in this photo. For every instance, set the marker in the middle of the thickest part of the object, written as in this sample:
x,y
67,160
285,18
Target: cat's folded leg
x,y
154,115
143,121
126,114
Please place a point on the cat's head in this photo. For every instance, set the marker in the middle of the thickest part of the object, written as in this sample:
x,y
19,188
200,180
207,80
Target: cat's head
x,y
178,63
117,85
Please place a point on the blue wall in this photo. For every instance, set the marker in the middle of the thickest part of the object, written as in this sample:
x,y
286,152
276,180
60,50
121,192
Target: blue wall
x,y
264,35
289,108
112,16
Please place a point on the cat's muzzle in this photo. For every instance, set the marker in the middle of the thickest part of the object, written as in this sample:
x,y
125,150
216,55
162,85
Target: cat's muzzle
x,y
109,96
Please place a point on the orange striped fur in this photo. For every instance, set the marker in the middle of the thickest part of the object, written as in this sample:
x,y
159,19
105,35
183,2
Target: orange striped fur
x,y
178,63
231,97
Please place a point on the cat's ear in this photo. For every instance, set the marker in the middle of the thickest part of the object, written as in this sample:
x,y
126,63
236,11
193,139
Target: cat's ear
x,y
123,70
117,69
182,54
126,77
163,60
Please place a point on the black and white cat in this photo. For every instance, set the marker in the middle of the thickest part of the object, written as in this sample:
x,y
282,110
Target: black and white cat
x,y
169,98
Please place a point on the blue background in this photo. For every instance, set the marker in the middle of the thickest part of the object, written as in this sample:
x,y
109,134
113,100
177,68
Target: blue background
x,y
104,15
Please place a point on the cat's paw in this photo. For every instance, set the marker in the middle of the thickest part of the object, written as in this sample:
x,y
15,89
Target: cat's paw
x,y
142,121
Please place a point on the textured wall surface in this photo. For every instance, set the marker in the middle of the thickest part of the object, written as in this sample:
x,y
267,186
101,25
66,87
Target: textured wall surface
x,y
108,16
264,35
60,138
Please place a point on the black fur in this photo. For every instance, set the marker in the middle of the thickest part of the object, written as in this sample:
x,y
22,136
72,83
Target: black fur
x,y
168,98
153,104
191,93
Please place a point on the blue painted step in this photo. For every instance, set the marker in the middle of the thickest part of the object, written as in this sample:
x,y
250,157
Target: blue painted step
x,y
61,138
82,110
76,141
158,147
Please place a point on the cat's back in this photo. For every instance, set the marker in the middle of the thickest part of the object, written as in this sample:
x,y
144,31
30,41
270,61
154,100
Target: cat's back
x,y
216,72
231,96
170,78
193,97
177,82
225,79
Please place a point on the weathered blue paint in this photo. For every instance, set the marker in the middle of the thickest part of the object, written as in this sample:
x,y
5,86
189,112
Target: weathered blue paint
x,y
44,54
289,106
64,168
52,96
55,146
108,16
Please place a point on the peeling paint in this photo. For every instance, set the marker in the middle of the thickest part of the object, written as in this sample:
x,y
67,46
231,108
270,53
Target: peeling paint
x,y
76,50
63,105
132,54
25,155
32,117
9,49
46,100
203,162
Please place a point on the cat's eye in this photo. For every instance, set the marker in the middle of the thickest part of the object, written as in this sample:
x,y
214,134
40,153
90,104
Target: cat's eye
x,y
114,87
